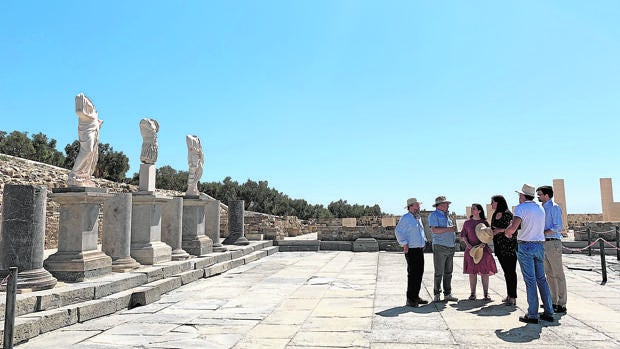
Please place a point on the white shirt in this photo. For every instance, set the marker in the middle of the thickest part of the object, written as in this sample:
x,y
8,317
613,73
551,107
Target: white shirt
x,y
532,221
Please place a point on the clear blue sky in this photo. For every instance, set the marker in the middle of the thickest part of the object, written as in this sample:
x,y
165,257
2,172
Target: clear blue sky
x,y
368,101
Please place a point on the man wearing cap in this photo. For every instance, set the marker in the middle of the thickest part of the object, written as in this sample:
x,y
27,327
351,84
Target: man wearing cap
x,y
410,235
444,234
554,270
531,253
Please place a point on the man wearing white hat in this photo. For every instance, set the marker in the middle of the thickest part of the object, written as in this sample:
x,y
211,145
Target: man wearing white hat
x,y
410,235
444,234
531,253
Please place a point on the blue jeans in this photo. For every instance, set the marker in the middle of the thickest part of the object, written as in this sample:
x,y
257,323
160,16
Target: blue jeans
x,y
531,256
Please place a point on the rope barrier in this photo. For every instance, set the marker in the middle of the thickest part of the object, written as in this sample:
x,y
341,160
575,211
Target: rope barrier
x,y
590,245
6,279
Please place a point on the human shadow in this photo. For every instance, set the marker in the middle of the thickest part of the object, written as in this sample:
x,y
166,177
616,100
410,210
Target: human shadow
x,y
467,304
495,310
523,334
422,309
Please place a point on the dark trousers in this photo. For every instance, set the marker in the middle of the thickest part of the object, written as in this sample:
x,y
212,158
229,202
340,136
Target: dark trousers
x,y
415,269
509,265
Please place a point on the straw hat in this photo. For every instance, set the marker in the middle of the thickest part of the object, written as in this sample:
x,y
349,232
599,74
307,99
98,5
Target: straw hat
x,y
476,253
412,201
440,200
484,233
527,189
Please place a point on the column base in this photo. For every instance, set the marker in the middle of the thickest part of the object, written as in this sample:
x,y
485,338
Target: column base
x,y
31,280
198,246
152,253
123,265
236,239
179,255
77,266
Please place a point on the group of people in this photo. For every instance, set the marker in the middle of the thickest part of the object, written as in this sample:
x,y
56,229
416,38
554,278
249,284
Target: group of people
x,y
531,235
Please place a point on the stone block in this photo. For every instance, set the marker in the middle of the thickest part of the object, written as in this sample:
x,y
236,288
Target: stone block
x,y
236,254
217,268
389,245
122,300
298,245
254,236
167,285
24,304
237,262
349,222
128,281
63,297
365,245
388,221
271,250
176,267
54,319
144,295
96,308
25,329
191,276
336,245
153,273
202,262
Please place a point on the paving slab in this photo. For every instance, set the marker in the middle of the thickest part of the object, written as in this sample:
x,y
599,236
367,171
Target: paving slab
x,y
342,299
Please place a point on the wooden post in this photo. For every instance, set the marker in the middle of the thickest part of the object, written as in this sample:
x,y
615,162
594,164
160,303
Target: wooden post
x,y
618,242
9,313
601,246
589,231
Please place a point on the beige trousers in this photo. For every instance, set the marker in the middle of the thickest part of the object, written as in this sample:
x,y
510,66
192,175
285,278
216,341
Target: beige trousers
x,y
554,271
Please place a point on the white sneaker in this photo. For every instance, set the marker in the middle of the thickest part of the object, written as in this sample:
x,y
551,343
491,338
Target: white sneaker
x,y
450,298
436,298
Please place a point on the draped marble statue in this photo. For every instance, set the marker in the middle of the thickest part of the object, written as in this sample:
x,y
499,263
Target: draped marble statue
x,y
88,135
195,160
149,129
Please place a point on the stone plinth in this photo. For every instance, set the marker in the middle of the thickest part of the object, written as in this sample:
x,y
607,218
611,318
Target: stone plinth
x,y
23,236
236,211
147,178
365,245
172,227
146,245
195,241
117,232
78,257
212,224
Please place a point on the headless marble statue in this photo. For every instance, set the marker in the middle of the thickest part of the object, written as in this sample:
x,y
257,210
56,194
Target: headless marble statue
x,y
149,129
195,160
88,135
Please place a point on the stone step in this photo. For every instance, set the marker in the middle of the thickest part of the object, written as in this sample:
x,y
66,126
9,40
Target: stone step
x,y
43,311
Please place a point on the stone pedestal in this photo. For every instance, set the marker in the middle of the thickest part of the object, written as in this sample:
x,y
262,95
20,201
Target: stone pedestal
x,y
212,224
146,245
23,236
172,227
147,178
365,245
117,232
236,210
77,257
195,241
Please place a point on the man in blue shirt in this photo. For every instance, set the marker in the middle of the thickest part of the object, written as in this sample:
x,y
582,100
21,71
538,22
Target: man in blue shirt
x,y
554,270
410,235
444,234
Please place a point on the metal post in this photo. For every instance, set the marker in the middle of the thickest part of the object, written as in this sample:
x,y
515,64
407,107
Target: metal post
x,y
589,241
618,242
601,246
9,313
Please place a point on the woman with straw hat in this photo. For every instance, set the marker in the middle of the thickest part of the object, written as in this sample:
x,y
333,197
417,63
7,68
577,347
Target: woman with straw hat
x,y
478,257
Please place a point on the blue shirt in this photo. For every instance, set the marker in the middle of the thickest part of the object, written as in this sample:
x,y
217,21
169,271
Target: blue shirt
x,y
553,219
410,231
439,219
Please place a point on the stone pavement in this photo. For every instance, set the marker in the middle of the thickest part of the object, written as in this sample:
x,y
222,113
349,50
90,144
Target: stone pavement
x,y
349,300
